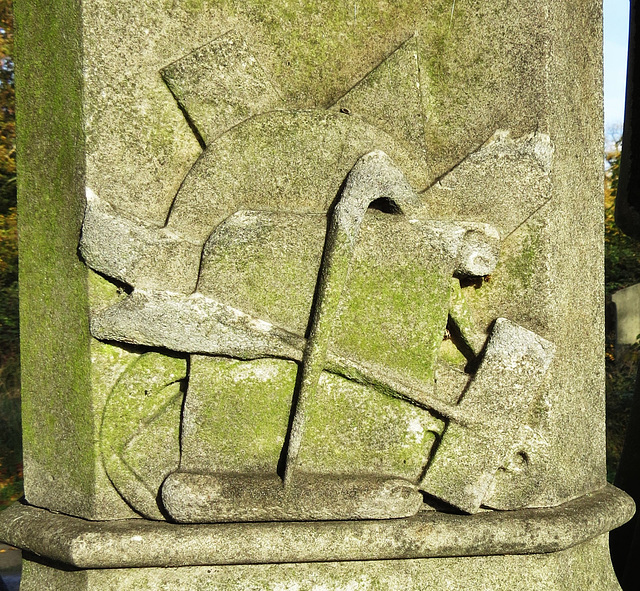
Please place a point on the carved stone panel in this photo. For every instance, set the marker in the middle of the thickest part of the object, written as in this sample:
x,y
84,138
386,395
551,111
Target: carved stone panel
x,y
311,282
302,248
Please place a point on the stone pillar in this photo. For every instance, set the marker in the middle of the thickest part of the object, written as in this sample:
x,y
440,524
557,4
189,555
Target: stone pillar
x,y
311,296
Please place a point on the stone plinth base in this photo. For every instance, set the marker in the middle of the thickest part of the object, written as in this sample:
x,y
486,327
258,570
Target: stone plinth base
x,y
582,568
557,548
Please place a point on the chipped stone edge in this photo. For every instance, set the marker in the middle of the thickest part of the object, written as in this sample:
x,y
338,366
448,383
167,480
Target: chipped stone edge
x,y
140,543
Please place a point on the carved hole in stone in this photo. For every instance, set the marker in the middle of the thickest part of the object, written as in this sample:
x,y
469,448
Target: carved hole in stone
x,y
475,282
520,461
385,205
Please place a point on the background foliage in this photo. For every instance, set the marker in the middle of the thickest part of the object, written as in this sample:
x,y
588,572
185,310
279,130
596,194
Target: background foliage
x,y
8,218
10,440
622,269
622,260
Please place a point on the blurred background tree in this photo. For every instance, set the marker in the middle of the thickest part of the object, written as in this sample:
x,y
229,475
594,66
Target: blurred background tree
x,y
7,111
10,439
8,217
622,269
622,260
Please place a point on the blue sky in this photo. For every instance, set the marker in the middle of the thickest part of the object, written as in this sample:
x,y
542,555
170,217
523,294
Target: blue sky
x,y
616,30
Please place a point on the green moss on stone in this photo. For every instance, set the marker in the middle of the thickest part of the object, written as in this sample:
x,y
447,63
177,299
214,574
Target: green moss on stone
x,y
514,289
394,317
524,265
236,414
323,48
59,454
354,429
102,292
450,354
140,427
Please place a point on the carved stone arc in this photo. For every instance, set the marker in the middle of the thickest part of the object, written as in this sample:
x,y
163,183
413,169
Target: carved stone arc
x,y
139,436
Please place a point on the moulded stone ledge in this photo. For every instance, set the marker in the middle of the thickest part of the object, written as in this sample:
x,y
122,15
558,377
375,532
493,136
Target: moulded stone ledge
x,y
140,543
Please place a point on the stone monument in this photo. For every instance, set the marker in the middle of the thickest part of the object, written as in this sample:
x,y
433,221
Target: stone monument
x,y
299,296
627,306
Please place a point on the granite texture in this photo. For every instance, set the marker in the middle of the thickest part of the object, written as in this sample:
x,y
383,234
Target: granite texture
x,y
500,396
627,304
429,534
364,219
560,570
412,290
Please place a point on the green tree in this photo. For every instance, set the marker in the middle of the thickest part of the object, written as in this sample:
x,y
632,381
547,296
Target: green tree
x,y
8,218
7,110
622,254
10,439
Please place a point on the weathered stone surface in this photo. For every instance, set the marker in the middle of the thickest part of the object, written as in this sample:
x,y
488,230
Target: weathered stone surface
x,y
422,258
235,423
250,260
193,323
254,257
394,438
220,85
390,98
139,437
560,570
282,160
236,415
430,534
60,476
500,395
627,303
136,253
516,482
197,498
490,181
104,104
229,289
